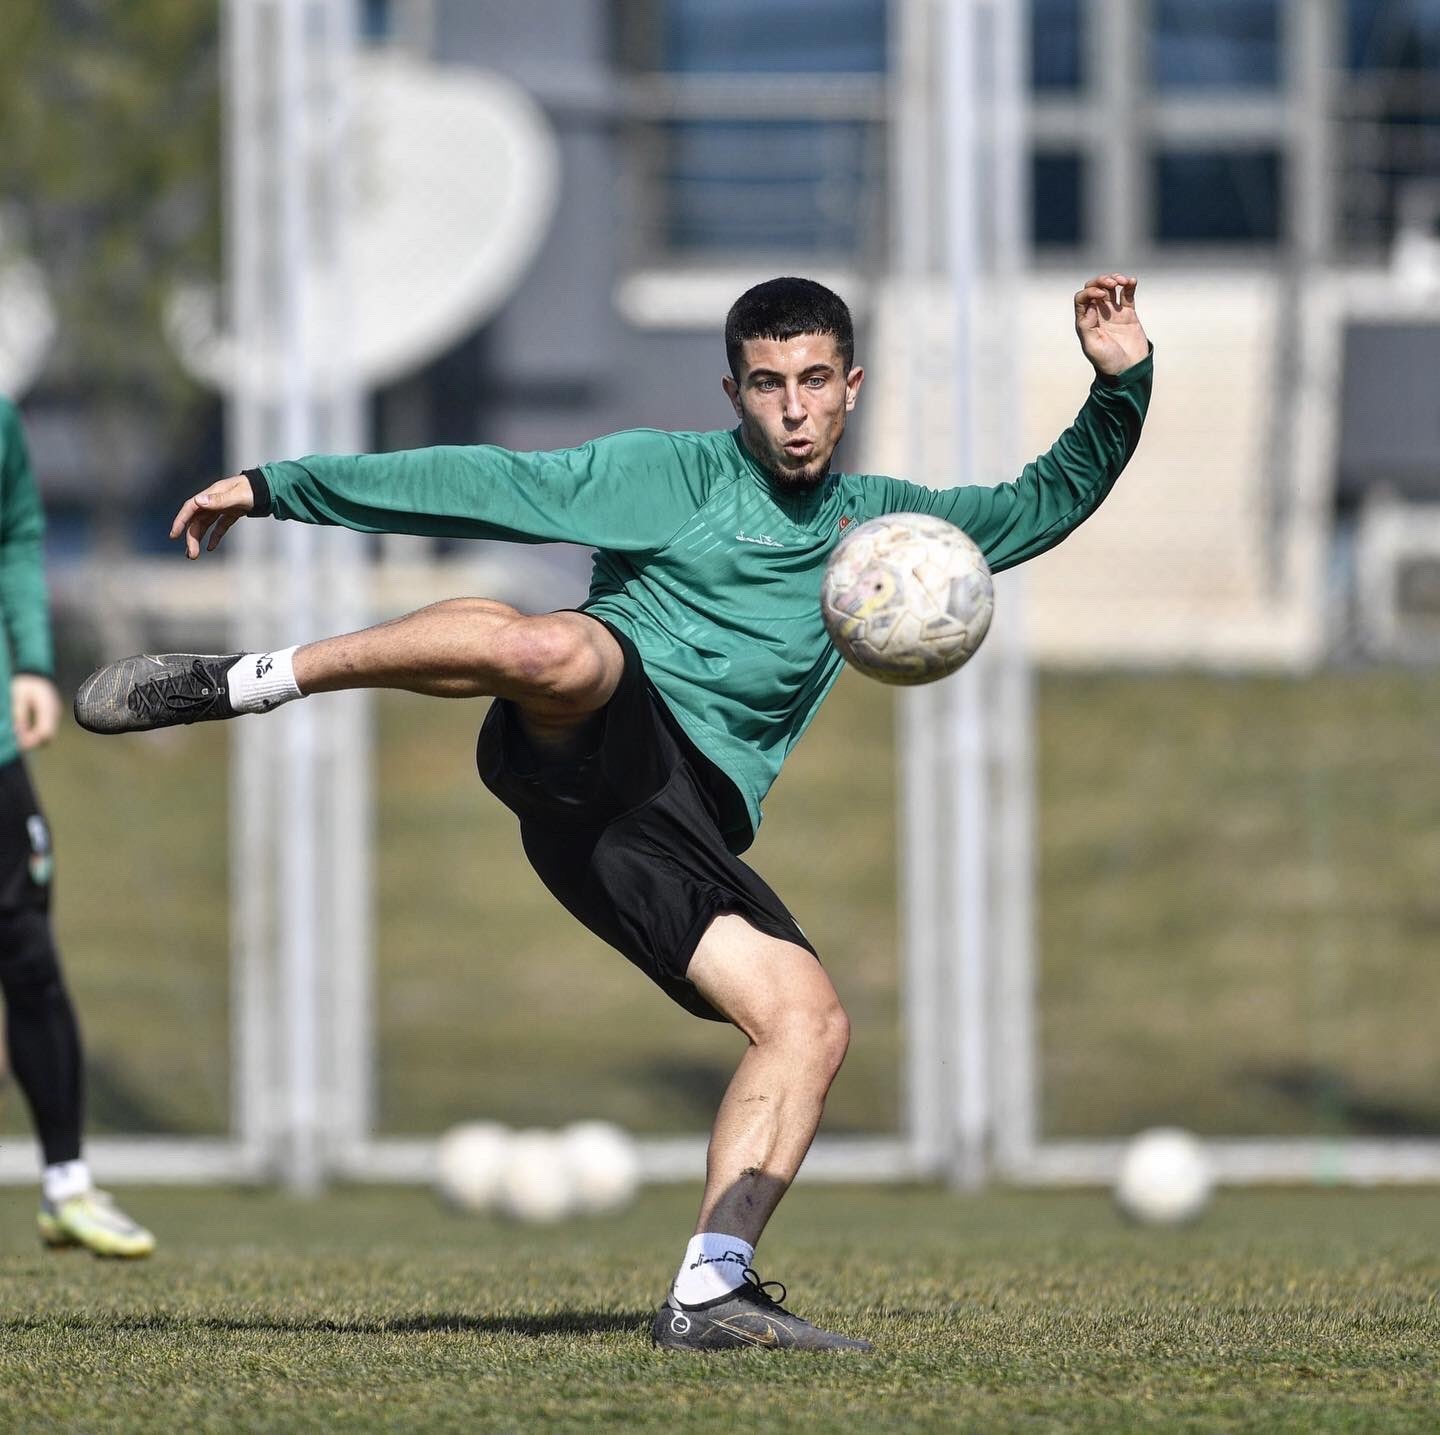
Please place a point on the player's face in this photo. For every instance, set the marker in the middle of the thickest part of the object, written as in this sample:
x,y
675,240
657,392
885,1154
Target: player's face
x,y
791,398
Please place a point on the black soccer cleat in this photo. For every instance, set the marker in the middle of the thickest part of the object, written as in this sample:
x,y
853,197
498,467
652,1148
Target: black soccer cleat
x,y
155,690
748,1318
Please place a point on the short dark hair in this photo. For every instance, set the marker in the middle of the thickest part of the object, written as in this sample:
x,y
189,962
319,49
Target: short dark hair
x,y
784,309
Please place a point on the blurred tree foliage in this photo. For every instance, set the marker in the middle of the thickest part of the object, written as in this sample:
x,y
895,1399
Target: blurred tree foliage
x,y
110,179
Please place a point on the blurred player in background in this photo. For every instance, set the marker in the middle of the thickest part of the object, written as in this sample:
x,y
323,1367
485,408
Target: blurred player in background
x,y
40,1027
636,739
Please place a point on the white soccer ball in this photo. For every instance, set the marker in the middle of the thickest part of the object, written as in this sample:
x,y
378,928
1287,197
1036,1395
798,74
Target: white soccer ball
x,y
907,598
604,1164
537,1182
468,1164
1164,1178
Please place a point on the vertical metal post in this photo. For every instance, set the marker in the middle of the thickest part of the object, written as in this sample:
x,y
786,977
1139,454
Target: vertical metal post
x,y
346,796
964,698
299,867
1013,756
1312,35
300,778
921,868
1116,61
246,100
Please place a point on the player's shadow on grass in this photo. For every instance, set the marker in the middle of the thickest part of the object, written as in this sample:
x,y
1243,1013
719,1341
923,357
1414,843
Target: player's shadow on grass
x,y
564,1322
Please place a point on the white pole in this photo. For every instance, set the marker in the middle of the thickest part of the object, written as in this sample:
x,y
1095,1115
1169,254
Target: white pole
x,y
299,873
1014,757
251,785
921,869
969,886
346,796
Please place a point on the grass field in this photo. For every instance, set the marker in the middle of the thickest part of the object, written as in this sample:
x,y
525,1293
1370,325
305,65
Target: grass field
x,y
1238,923
1237,919
377,1311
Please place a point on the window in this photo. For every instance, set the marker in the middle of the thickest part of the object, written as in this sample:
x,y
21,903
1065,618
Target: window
x,y
1056,45
1217,196
746,167
375,20
1393,35
761,37
1056,183
1390,101
756,187
1215,44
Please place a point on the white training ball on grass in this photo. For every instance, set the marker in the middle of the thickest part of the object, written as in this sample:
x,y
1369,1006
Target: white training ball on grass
x,y
536,1182
906,598
604,1163
468,1164
1165,1178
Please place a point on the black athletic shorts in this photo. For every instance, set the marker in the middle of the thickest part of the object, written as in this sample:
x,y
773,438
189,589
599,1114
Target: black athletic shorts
x,y
27,862
625,833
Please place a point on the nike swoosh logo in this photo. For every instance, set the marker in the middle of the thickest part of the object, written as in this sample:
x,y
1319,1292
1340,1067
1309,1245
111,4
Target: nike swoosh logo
x,y
751,1336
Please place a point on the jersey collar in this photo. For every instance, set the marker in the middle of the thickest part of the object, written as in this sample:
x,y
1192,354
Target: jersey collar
x,y
799,506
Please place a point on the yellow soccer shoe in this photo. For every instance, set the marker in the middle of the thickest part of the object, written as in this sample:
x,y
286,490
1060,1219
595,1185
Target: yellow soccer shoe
x,y
94,1221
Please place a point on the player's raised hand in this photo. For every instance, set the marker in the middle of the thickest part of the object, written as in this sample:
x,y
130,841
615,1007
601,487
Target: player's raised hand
x,y
213,512
1108,326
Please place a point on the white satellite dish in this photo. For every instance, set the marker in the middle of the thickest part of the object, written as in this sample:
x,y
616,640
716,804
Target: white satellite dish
x,y
456,176
27,324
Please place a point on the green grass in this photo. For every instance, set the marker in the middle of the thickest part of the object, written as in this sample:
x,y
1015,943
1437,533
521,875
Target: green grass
x,y
1238,923
376,1310
1238,904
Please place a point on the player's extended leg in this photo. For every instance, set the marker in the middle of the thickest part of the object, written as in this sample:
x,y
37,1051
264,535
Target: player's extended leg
x,y
783,1001
558,667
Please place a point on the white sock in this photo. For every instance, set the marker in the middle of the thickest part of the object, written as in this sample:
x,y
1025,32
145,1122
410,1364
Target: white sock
x,y
714,1265
261,681
65,1179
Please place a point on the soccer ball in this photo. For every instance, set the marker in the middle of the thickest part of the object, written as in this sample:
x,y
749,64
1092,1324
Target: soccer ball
x,y
1164,1178
907,598
536,1182
604,1165
469,1162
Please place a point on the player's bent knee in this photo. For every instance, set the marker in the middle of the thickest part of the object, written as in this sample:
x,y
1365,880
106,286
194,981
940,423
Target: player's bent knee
x,y
820,1029
834,1036
564,662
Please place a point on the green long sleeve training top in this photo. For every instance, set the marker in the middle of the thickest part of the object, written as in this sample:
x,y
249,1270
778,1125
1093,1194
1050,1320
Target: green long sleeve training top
x,y
711,568
24,603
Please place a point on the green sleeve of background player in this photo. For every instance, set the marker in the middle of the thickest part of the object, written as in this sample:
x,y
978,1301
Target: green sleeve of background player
x,y
1058,491
24,604
628,492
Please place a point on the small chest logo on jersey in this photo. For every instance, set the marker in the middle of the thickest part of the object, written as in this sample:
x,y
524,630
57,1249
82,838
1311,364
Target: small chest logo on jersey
x,y
42,860
845,521
763,542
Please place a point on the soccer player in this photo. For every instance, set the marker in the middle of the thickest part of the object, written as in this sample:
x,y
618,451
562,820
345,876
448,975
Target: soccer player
x,y
636,738
40,1027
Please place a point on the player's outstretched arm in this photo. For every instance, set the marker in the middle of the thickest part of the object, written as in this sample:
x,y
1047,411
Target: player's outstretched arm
x,y
1109,329
213,513
1013,522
